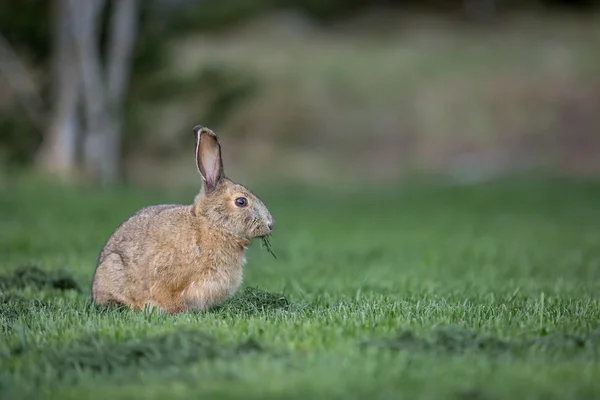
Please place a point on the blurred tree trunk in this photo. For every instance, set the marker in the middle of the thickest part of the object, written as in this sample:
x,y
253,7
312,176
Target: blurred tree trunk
x,y
83,82
103,87
58,153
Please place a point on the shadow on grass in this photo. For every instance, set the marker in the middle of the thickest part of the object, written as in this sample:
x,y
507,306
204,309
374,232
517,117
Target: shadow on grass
x,y
13,306
254,301
251,301
100,355
455,341
33,276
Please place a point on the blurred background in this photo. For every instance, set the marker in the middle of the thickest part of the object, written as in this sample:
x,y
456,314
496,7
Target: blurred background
x,y
328,92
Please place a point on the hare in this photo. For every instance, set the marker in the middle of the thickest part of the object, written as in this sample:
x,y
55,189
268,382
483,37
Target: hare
x,y
182,257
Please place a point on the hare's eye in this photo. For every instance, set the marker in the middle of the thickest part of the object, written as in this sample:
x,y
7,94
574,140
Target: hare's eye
x,y
241,202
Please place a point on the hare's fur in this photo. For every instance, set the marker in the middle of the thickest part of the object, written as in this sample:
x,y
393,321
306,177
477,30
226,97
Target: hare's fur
x,y
179,257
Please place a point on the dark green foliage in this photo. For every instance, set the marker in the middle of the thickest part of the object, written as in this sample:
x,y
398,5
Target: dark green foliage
x,y
34,276
19,139
26,24
222,88
227,88
217,15
329,10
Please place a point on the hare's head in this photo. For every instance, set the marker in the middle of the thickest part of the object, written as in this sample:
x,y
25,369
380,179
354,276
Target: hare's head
x,y
226,204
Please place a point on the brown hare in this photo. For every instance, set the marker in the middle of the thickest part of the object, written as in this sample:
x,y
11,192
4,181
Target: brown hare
x,y
180,257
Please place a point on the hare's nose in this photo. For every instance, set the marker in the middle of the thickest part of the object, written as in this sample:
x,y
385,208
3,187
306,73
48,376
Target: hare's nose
x,y
271,224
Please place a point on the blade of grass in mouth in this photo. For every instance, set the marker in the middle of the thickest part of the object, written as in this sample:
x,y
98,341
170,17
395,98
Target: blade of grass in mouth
x,y
267,244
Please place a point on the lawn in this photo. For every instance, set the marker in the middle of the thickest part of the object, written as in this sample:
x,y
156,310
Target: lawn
x,y
421,291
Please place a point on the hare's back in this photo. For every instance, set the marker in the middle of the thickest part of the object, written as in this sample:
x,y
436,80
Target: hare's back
x,y
146,226
151,211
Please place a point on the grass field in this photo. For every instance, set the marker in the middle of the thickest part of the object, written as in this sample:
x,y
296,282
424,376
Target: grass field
x,y
481,292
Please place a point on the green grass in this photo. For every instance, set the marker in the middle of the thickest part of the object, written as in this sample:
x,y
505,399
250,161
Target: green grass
x,y
480,292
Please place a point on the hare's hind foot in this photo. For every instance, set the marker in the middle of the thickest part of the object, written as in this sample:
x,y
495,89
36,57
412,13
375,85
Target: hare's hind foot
x,y
105,299
164,303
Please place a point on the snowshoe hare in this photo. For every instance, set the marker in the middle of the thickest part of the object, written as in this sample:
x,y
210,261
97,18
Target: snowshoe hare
x,y
180,257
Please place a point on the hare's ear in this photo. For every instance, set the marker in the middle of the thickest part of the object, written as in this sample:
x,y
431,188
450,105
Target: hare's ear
x,y
208,157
